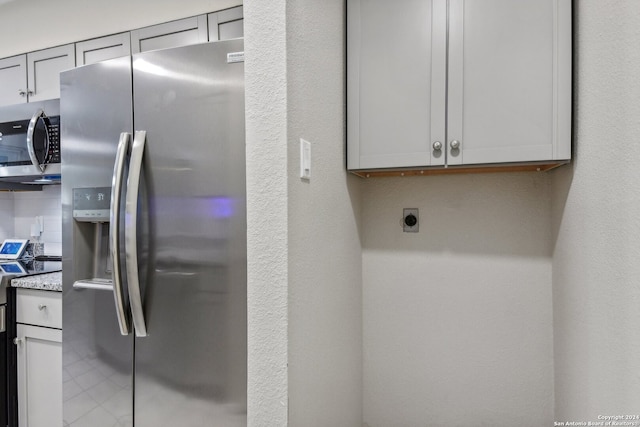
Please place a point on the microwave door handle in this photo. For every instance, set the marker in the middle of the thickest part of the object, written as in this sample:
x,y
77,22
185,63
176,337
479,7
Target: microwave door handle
x,y
115,233
131,239
30,140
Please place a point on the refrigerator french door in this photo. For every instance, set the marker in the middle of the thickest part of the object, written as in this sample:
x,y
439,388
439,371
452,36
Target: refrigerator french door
x,y
154,239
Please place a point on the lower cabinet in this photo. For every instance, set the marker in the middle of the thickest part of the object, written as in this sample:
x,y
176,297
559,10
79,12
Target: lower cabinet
x,y
39,358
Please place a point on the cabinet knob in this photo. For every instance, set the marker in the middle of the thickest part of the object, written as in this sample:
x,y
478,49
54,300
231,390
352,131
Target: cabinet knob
x,y
437,145
21,92
17,341
455,144
42,307
30,93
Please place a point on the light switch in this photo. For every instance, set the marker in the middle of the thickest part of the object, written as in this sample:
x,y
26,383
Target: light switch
x,y
305,159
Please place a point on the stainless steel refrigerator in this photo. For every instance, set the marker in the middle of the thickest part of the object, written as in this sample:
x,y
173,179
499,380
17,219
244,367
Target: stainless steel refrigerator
x,y
154,239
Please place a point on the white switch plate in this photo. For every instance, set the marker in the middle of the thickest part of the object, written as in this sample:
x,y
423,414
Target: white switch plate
x,y
305,159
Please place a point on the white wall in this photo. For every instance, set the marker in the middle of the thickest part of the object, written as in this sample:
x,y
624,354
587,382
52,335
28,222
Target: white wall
x,y
37,24
267,211
19,209
304,249
6,215
45,203
596,221
325,261
457,318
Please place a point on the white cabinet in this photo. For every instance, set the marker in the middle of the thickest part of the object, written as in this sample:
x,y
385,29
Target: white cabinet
x,y
40,308
13,80
485,82
43,71
171,34
103,48
226,24
39,357
396,83
34,76
39,376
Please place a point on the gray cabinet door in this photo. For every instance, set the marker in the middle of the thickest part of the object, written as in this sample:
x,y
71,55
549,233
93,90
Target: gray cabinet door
x,y
171,34
13,80
509,86
396,73
226,24
43,71
103,48
494,74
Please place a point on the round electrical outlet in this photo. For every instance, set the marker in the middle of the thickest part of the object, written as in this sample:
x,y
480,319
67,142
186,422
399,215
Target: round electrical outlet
x,y
410,220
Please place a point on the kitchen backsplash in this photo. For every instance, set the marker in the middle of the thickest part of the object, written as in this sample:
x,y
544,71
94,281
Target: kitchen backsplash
x,y
29,205
6,215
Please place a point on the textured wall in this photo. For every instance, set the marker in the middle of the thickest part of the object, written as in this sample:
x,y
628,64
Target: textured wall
x,y
304,247
325,261
37,24
267,216
457,318
327,285
596,221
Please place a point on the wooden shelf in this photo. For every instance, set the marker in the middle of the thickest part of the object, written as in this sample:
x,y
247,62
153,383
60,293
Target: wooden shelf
x,y
529,167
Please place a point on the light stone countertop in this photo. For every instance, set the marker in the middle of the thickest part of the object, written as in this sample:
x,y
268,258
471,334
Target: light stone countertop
x,y
45,282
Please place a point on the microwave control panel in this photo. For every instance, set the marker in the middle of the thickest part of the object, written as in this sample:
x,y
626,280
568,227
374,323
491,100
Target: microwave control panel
x,y
53,130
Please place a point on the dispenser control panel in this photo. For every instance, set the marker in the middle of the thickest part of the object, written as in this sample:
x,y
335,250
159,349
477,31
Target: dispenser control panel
x,y
91,204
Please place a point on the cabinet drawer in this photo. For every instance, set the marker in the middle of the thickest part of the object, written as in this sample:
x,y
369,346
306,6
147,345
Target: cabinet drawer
x,y
42,308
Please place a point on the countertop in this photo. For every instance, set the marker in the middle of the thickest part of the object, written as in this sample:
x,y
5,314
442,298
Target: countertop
x,y
45,282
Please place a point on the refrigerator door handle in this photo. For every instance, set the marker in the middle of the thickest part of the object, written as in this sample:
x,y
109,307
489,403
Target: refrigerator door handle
x,y
39,115
131,239
114,232
106,285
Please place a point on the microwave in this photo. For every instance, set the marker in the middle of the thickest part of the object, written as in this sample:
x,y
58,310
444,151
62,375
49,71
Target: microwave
x,y
30,143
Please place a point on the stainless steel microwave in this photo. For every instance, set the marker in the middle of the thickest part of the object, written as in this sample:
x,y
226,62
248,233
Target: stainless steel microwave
x,y
30,143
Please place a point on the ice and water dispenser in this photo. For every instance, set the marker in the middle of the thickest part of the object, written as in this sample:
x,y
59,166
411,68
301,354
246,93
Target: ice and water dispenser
x,y
92,260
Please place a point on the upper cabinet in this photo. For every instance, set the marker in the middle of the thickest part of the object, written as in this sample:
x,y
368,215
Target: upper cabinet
x,y
34,76
458,84
13,80
171,34
226,24
103,48
43,71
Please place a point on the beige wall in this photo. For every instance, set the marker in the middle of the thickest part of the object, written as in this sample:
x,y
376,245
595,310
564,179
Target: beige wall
x,y
458,317
596,221
305,363
325,261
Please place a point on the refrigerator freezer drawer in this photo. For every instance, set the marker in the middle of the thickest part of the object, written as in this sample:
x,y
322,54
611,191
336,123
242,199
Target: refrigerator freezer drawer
x,y
41,308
